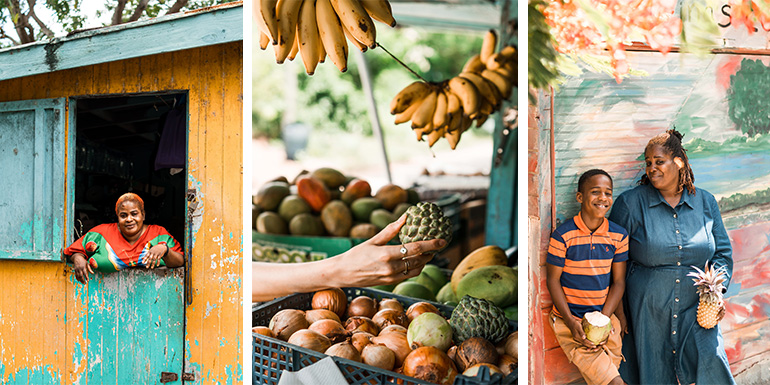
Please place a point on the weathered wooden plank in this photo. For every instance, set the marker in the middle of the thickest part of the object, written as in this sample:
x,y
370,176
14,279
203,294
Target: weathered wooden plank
x,y
132,40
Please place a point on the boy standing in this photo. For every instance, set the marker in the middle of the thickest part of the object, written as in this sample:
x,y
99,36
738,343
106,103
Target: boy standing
x,y
586,269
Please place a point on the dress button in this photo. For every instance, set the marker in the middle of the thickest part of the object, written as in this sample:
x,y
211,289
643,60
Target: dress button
x,y
679,263
676,299
677,280
677,231
674,351
674,215
680,247
675,316
674,332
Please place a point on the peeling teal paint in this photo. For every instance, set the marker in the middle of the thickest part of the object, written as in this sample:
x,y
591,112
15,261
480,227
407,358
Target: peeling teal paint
x,y
42,375
25,231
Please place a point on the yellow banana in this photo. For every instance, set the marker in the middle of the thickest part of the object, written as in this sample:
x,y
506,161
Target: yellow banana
x,y
264,40
406,115
332,36
380,10
439,116
508,74
355,19
294,49
488,45
358,44
321,49
494,61
481,119
452,104
267,19
424,114
288,13
409,95
435,135
468,94
427,129
453,137
508,53
419,132
502,84
474,64
484,86
454,120
307,34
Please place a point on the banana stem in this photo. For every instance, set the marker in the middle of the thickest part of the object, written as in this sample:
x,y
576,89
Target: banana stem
x,y
402,63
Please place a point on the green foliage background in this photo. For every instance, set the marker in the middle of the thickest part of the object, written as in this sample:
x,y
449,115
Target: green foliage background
x,y
747,97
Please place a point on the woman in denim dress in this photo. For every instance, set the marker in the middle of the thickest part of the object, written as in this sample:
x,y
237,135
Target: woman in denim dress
x,y
672,225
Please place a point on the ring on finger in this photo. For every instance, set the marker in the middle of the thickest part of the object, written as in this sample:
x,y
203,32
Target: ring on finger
x,y
403,250
406,265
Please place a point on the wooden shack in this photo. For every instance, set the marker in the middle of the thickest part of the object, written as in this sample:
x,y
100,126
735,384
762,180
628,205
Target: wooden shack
x,y
80,120
593,122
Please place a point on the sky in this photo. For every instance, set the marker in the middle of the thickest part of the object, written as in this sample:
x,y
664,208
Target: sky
x,y
88,8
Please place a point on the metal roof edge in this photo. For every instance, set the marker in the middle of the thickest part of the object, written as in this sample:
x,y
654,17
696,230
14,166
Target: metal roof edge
x,y
192,29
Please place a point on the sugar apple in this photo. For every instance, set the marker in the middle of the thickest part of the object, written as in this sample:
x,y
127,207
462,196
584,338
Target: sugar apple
x,y
425,221
477,317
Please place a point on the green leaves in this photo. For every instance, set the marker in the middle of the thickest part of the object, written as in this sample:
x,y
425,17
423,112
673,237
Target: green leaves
x,y
542,61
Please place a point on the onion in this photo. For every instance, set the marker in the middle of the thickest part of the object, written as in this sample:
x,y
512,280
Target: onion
x,y
397,343
452,352
474,370
345,350
430,364
507,364
263,330
359,323
316,314
512,345
332,329
378,356
333,299
360,340
286,322
475,350
418,308
393,328
390,303
362,306
387,317
310,339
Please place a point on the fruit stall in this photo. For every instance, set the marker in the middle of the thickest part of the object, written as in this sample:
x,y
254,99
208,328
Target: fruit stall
x,y
80,120
592,121
458,317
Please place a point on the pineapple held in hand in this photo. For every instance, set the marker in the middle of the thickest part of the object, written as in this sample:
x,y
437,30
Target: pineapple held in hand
x,y
709,283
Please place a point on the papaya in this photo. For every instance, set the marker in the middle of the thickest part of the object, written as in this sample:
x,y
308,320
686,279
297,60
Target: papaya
x,y
337,218
271,223
483,256
313,192
270,195
381,218
390,196
414,290
362,208
330,177
357,188
306,224
291,206
497,284
363,230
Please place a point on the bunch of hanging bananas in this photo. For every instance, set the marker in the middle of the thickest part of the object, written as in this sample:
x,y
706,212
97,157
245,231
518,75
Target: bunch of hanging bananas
x,y
315,28
447,109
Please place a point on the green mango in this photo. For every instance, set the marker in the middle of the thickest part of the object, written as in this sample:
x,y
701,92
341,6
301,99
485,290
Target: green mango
x,y
493,283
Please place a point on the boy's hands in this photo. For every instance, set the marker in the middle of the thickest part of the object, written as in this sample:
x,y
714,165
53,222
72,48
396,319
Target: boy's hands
x,y
573,323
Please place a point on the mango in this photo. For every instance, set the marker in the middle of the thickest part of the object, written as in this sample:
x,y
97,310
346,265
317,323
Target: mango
x,y
494,283
446,294
483,256
381,218
330,177
401,209
363,230
271,223
362,208
270,195
314,193
390,196
292,206
414,290
337,218
306,224
436,273
357,188
413,197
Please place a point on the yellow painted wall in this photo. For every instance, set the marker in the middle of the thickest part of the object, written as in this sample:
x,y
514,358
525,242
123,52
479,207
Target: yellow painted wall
x,y
43,308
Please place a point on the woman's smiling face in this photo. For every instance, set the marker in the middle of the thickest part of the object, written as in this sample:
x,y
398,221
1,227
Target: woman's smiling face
x,y
662,169
130,219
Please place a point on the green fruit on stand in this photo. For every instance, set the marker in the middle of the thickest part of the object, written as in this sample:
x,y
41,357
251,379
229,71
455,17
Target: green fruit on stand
x,y
381,218
494,283
384,287
401,209
436,273
414,290
292,206
271,223
426,280
330,177
512,312
362,208
477,317
446,294
306,224
270,195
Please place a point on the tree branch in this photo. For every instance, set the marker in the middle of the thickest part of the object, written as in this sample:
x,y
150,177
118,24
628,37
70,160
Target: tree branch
x,y
139,10
177,6
4,35
117,15
21,24
43,28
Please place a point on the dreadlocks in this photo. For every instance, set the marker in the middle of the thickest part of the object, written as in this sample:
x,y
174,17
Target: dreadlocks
x,y
671,140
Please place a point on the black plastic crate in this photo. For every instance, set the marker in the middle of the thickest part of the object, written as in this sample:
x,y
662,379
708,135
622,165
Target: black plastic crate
x,y
270,356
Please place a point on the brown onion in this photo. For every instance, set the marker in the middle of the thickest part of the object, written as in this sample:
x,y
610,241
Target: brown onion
x,y
396,342
316,314
362,306
390,303
452,352
512,345
286,322
475,350
360,340
263,330
378,356
332,329
310,339
387,317
507,364
364,324
333,299
393,328
418,308
474,370
345,350
430,364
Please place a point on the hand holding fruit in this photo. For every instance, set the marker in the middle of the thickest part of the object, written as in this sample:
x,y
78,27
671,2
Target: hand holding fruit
x,y
574,325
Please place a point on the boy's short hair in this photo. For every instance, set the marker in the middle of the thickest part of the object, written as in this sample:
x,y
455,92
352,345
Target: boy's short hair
x,y
588,174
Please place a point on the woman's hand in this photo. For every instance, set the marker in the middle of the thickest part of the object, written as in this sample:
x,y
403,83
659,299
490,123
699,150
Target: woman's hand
x,y
573,323
153,257
375,263
81,268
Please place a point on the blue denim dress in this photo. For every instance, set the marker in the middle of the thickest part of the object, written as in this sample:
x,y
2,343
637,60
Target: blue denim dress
x,y
666,344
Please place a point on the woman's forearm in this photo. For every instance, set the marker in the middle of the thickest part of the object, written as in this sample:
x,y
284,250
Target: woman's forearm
x,y
173,259
269,280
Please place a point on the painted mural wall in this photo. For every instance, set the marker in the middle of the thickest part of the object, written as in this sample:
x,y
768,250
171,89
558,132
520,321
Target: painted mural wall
x,y
721,105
